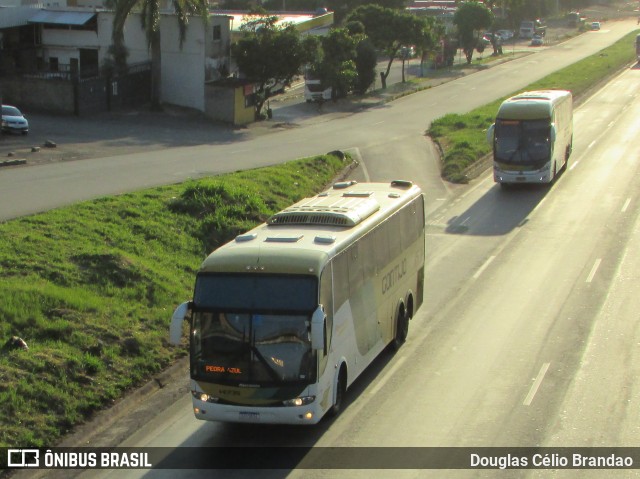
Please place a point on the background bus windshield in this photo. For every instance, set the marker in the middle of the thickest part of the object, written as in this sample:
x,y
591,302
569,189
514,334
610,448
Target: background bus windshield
x,y
522,143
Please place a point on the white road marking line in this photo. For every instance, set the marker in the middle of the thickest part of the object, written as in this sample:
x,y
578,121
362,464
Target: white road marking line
x,y
365,172
593,270
483,267
626,205
536,384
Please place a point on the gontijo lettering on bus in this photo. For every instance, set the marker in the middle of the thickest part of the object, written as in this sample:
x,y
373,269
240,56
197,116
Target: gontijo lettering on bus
x,y
392,277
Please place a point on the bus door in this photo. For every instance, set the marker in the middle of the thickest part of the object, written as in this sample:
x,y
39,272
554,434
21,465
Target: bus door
x,y
638,47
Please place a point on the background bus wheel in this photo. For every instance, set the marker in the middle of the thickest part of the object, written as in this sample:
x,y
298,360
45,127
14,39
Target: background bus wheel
x,y
340,391
402,329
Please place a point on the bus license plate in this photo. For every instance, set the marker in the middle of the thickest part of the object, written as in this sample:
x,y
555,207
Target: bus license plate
x,y
249,416
521,178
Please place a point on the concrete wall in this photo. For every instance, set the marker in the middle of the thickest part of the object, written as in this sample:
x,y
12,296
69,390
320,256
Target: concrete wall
x,y
37,94
225,101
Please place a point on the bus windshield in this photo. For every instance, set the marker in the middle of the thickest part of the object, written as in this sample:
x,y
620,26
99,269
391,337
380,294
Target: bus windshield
x,y
523,142
251,292
253,329
255,349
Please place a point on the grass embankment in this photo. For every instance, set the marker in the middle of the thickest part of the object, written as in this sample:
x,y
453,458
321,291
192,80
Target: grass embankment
x,y
91,288
463,137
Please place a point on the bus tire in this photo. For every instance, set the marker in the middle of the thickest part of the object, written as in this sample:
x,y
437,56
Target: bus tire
x,y
341,389
402,328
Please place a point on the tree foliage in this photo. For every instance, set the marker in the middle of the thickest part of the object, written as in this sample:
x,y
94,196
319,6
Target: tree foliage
x,y
390,29
343,59
268,53
366,61
471,18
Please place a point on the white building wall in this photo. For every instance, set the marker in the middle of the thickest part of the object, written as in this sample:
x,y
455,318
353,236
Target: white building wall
x,y
135,37
66,44
183,69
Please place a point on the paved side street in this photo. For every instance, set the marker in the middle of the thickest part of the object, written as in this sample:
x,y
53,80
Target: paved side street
x,y
118,133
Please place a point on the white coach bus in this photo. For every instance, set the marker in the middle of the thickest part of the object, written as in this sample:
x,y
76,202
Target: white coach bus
x,y
532,137
286,316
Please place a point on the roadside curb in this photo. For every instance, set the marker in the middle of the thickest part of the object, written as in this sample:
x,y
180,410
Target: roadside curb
x,y
172,381
13,162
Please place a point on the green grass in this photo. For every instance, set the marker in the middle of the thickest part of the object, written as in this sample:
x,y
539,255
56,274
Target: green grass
x,y
91,288
463,137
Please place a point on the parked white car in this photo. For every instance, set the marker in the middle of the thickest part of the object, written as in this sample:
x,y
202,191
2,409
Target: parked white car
x,y
13,120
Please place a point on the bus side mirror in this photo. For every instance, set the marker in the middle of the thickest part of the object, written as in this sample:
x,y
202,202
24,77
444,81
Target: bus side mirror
x,y
552,134
179,315
490,132
319,329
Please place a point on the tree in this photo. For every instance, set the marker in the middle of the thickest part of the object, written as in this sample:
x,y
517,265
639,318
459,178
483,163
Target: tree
x,y
338,67
471,18
344,59
390,29
150,17
268,53
436,33
366,61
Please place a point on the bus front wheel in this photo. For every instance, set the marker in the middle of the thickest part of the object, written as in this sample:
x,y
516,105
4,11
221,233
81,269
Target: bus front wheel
x,y
341,389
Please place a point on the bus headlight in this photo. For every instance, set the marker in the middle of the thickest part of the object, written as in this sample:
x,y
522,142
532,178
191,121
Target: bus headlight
x,y
301,401
204,397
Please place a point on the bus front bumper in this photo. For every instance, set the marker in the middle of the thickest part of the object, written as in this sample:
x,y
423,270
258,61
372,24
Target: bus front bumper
x,y
502,176
302,415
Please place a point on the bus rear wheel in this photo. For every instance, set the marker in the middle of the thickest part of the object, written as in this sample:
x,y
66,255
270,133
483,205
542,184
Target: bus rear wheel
x,y
402,328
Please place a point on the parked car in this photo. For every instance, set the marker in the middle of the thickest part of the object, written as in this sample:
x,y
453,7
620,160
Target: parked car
x,y
13,120
505,34
536,40
595,25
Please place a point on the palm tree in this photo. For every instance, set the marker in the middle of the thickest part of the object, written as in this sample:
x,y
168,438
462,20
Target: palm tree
x,y
150,16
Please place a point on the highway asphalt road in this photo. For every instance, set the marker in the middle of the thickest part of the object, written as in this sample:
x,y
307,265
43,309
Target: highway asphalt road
x,y
528,335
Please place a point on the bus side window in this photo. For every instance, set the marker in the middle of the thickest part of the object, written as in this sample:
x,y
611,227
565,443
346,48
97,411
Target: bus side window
x,y
368,255
356,268
326,299
381,245
340,279
394,235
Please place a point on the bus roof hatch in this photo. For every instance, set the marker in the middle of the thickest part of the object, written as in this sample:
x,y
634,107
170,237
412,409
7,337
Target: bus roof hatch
x,y
347,210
